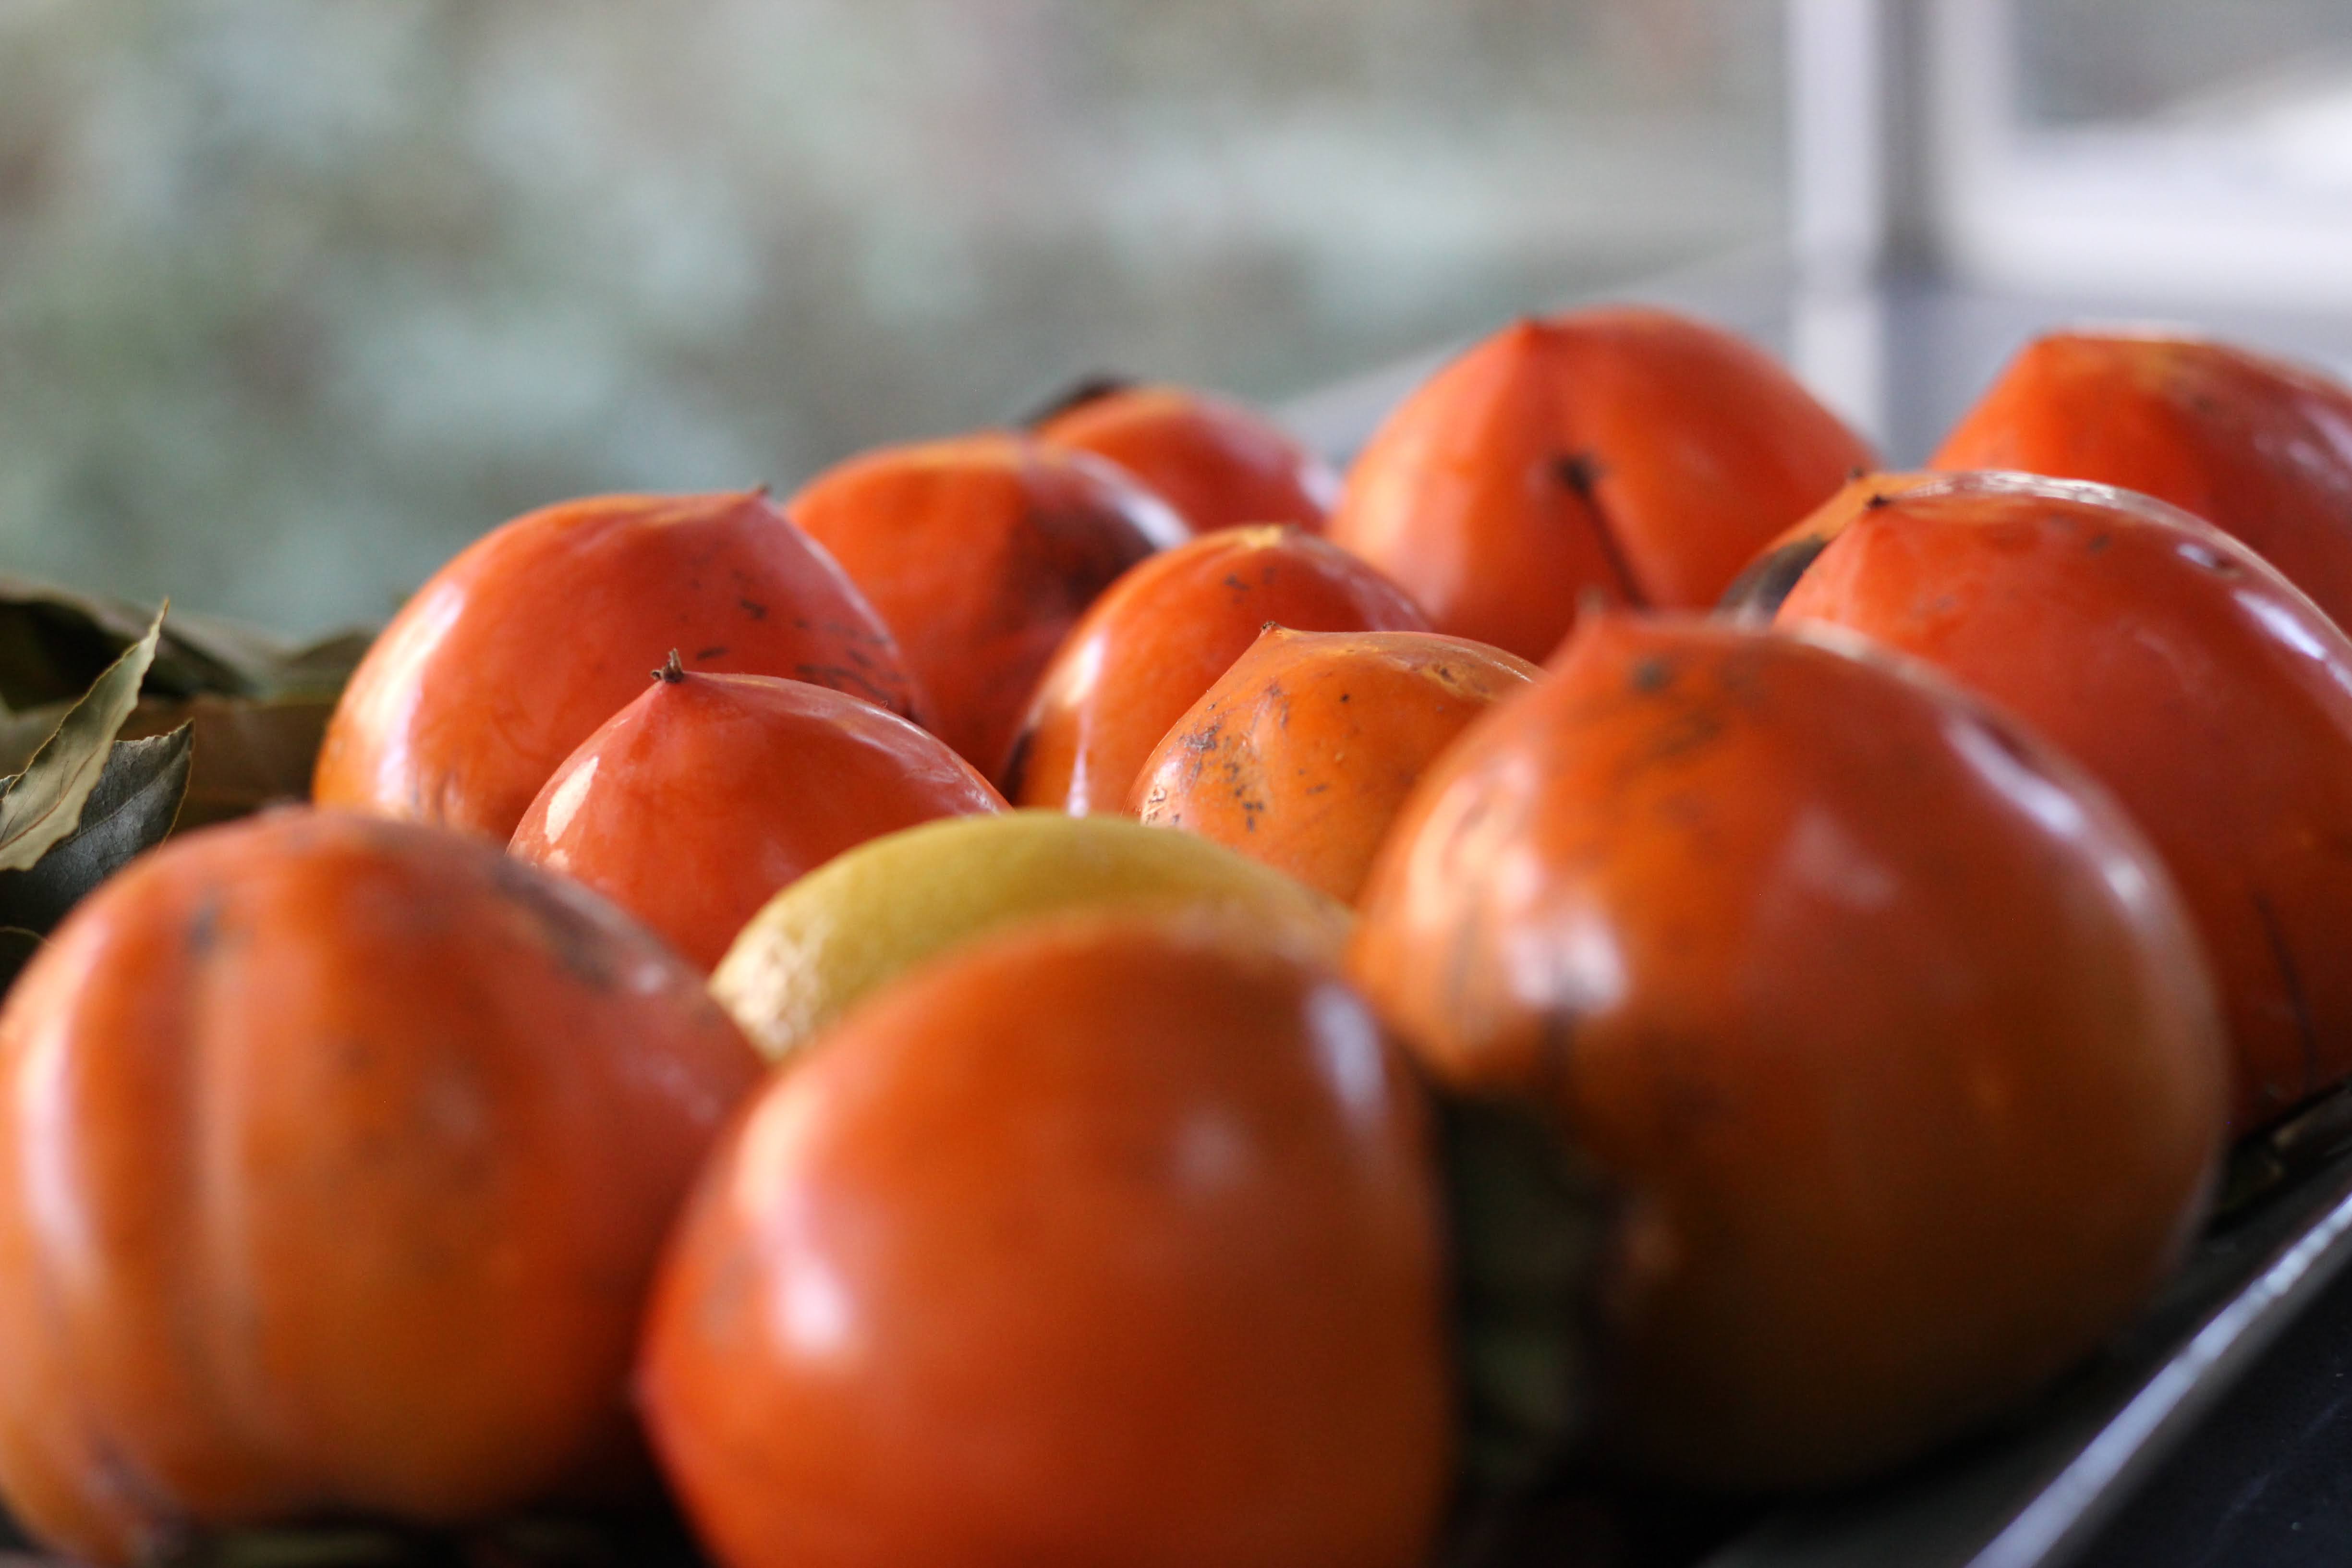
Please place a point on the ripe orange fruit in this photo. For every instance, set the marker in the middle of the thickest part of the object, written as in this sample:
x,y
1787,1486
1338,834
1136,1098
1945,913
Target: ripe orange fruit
x,y
334,1155
1880,1018
1625,453
981,553
2188,676
698,801
541,630
1219,464
1148,649
1301,753
2258,448
1106,1242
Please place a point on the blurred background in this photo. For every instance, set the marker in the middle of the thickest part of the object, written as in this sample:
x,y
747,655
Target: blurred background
x,y
296,298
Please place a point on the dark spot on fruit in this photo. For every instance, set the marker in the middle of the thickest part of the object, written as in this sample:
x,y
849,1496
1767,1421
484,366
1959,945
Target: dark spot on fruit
x,y
1579,471
2099,541
1877,500
1758,593
705,655
1652,673
203,927
1679,737
841,678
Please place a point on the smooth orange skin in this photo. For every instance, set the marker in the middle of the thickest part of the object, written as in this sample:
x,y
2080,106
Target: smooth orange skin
x,y
691,807
1109,1242
1219,464
1301,754
982,552
1163,634
2259,447
1878,1014
2189,677
1626,454
512,653
335,1154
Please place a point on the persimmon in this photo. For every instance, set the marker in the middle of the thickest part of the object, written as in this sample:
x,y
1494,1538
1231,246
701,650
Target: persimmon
x,y
1106,1242
981,553
2259,447
1219,464
512,653
1628,455
694,804
1301,753
1146,650
2189,677
1882,1018
335,1156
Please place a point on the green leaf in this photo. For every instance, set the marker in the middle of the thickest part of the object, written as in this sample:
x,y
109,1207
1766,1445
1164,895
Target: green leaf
x,y
1527,1222
136,801
42,806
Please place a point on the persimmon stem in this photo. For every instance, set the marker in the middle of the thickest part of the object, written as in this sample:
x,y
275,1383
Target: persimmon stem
x,y
671,673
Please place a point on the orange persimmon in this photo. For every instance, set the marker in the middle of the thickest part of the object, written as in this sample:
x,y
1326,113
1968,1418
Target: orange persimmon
x,y
1626,454
2189,677
512,653
1110,1241
1882,1020
2259,447
1150,646
1301,753
335,1153
981,553
1219,464
696,803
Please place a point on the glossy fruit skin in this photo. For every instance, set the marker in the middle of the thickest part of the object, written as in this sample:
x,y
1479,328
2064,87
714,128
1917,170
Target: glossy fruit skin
x,y
981,553
2259,447
1219,464
1163,635
1623,453
691,807
512,653
335,1157
1177,1188
1879,1014
1302,754
2188,676
848,928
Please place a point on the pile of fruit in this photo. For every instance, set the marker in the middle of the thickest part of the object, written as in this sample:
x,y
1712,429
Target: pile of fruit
x,y
1096,994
